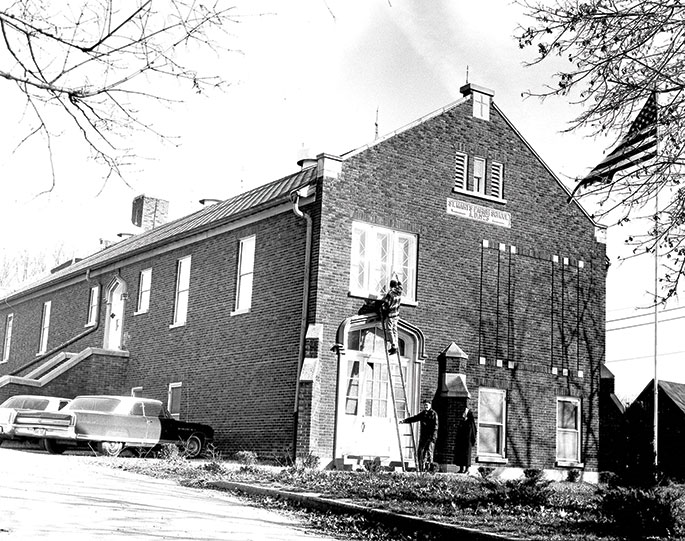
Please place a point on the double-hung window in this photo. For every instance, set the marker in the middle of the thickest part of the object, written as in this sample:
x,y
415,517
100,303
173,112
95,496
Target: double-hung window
x,y
378,254
93,304
144,287
182,291
246,255
44,328
568,430
7,343
492,415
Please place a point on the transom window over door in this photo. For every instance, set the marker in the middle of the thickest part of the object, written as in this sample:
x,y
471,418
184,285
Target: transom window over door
x,y
378,254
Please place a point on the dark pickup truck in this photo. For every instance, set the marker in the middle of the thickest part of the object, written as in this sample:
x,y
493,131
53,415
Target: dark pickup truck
x,y
110,424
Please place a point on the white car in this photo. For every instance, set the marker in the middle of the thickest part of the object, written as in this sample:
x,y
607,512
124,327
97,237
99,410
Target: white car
x,y
9,408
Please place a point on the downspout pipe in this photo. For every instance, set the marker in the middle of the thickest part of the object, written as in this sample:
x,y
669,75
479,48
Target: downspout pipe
x,y
66,343
295,196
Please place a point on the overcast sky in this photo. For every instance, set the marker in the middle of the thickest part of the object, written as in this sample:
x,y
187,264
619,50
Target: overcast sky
x,y
314,73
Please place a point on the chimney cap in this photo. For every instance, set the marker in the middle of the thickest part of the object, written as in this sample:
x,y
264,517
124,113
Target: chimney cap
x,y
470,88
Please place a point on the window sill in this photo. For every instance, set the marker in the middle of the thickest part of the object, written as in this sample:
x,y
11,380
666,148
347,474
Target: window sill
x,y
87,325
238,312
176,325
141,312
569,464
374,297
5,361
480,196
492,459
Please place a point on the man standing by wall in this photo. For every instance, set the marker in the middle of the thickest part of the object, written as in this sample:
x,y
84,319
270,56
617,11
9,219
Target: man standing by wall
x,y
429,434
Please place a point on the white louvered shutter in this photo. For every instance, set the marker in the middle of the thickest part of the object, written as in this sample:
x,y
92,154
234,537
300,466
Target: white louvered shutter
x,y
497,180
460,169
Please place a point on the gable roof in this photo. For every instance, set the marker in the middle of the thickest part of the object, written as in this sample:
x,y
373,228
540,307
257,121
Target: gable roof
x,y
457,103
675,391
260,198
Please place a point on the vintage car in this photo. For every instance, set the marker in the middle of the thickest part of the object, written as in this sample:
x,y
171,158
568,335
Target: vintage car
x,y
110,424
9,408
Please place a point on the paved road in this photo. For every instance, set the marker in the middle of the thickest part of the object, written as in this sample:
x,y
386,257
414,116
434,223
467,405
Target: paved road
x,y
50,497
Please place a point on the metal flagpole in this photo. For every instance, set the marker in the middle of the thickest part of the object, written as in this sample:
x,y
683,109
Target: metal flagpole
x,y
656,334
656,289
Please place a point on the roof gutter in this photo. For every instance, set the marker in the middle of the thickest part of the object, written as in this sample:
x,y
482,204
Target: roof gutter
x,y
295,197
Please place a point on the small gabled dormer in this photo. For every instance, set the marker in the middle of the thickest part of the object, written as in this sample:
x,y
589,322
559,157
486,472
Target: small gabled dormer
x,y
481,98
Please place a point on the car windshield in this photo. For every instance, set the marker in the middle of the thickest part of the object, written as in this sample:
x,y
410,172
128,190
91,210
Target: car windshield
x,y
26,403
94,403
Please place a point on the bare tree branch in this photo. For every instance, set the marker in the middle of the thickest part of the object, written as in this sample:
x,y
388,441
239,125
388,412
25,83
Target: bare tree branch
x,y
99,61
614,54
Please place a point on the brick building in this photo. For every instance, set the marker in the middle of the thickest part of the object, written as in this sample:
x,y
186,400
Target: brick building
x,y
245,314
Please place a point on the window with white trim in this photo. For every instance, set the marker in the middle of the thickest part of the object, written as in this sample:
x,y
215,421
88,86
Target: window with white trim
x,y
7,343
484,179
93,304
44,327
246,255
378,253
174,399
182,291
492,415
479,175
144,287
568,429
137,392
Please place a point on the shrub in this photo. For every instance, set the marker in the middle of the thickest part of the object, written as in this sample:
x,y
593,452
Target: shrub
x,y
573,475
247,459
530,491
533,474
636,512
485,472
170,452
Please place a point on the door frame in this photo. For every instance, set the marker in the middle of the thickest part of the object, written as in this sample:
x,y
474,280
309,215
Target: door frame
x,y
116,284
407,332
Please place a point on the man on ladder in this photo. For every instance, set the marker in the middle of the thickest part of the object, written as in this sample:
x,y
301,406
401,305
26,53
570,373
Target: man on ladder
x,y
390,312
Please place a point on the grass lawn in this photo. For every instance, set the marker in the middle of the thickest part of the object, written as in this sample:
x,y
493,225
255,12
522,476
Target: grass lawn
x,y
529,509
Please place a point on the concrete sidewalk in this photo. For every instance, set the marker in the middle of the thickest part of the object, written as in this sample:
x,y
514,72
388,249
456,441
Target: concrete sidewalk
x,y
51,497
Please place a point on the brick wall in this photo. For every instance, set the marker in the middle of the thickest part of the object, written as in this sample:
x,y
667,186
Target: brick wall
x,y
492,303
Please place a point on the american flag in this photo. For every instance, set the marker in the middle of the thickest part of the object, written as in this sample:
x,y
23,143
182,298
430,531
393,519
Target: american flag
x,y
639,145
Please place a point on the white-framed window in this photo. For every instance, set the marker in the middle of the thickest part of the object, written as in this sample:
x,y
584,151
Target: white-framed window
x,y
487,177
144,287
137,392
492,415
7,343
93,305
378,253
174,399
44,327
481,106
568,429
182,291
479,175
246,255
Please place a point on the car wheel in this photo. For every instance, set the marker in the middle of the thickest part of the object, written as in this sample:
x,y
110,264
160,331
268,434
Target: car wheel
x,y
53,447
193,446
110,448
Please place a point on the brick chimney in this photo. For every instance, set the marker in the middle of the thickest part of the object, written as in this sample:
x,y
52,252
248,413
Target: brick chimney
x,y
149,212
